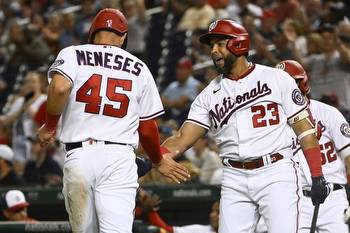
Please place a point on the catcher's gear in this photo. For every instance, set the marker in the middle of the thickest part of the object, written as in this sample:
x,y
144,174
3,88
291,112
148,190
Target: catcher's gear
x,y
238,44
294,69
144,165
110,20
320,189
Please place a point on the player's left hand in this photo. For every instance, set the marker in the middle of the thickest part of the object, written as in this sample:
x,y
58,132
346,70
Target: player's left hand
x,y
45,136
173,170
320,189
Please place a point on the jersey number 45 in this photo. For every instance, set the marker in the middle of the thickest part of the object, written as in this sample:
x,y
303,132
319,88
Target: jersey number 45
x,y
89,93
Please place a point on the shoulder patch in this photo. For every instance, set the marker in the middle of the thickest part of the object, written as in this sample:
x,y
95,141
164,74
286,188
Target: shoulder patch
x,y
298,97
57,63
345,129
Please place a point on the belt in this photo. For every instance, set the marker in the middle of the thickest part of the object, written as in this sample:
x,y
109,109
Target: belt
x,y
336,187
74,145
253,164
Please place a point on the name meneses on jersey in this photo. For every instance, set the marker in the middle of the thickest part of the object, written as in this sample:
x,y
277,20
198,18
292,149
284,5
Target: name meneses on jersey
x,y
108,60
222,113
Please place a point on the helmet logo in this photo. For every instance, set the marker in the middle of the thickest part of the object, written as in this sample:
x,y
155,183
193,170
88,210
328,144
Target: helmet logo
x,y
109,23
281,66
213,25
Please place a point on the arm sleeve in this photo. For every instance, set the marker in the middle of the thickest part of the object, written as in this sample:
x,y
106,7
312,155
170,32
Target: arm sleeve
x,y
63,64
149,139
150,103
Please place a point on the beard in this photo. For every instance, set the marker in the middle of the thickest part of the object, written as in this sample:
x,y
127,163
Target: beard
x,y
228,65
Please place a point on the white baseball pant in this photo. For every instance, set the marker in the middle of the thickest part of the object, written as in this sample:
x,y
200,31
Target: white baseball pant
x,y
99,186
330,216
272,191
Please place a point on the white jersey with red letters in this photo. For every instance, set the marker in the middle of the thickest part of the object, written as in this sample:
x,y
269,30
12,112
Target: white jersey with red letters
x,y
335,147
112,91
109,85
249,119
242,113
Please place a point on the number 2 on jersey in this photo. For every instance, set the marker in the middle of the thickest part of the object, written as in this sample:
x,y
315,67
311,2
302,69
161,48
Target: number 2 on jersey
x,y
89,93
260,113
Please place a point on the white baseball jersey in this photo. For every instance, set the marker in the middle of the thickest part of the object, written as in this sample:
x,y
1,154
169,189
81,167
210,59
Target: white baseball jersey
x,y
111,87
334,143
195,228
248,116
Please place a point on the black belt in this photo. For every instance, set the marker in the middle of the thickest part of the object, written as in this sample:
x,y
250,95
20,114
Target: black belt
x,y
74,145
253,164
336,187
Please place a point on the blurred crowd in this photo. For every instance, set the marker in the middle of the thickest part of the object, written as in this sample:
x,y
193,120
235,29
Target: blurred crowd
x,y
164,34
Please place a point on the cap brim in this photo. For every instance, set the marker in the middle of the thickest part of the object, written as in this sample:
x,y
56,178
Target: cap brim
x,y
19,206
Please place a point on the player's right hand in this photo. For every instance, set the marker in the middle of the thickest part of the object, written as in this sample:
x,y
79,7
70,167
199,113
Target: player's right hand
x,y
173,170
45,136
320,189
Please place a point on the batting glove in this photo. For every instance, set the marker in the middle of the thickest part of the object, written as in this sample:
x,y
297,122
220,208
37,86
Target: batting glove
x,y
320,189
144,165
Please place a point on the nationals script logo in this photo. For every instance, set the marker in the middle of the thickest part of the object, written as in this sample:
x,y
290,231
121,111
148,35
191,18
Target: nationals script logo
x,y
222,113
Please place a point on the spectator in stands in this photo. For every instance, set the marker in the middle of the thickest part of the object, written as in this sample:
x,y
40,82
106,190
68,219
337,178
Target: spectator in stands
x,y
84,18
7,175
68,36
29,48
284,47
179,95
58,5
15,207
333,100
134,11
20,116
197,17
52,32
206,160
313,43
284,9
330,70
200,52
42,169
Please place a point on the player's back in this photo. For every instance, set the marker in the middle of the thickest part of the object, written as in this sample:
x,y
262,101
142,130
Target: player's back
x,y
107,96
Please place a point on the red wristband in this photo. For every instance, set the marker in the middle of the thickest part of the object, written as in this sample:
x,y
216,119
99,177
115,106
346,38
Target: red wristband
x,y
164,150
313,158
52,121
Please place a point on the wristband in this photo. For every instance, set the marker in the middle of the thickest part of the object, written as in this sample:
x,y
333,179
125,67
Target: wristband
x,y
52,121
164,150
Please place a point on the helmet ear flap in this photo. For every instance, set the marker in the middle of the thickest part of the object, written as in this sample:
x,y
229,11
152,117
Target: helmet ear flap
x,y
237,46
304,86
232,45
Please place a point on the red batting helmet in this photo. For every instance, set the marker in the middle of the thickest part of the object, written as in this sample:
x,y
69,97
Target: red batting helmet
x,y
239,37
294,69
110,20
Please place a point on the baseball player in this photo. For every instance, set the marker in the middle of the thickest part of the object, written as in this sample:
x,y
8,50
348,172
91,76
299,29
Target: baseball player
x,y
107,99
334,138
251,112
